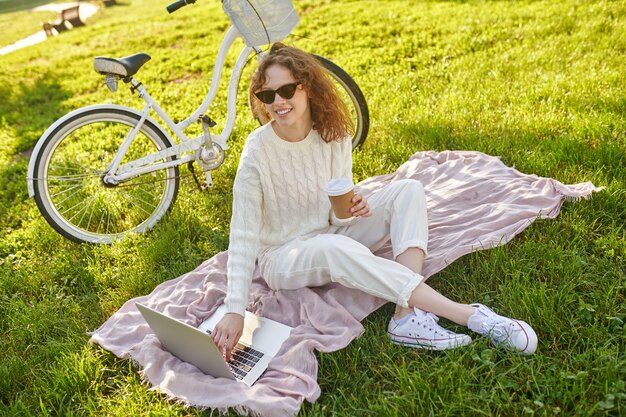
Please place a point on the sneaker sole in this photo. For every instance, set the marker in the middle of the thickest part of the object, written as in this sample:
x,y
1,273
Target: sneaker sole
x,y
430,345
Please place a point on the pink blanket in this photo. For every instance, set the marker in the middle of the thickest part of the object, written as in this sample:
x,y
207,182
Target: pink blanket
x,y
475,202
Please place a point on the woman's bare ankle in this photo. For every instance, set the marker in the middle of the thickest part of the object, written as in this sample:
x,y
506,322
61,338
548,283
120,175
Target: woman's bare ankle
x,y
401,312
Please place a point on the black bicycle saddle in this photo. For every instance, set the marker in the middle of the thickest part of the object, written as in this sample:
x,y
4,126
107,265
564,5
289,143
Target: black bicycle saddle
x,y
122,67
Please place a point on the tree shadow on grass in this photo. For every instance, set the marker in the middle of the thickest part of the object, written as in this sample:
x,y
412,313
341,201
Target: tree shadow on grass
x,y
26,111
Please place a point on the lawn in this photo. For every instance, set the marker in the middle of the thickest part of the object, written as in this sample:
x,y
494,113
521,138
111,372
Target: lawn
x,y
10,6
29,23
538,83
18,20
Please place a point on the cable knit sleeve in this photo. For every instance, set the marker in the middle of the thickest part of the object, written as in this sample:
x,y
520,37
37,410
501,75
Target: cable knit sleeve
x,y
245,227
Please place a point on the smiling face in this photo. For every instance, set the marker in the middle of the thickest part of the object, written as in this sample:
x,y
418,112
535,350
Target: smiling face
x,y
292,117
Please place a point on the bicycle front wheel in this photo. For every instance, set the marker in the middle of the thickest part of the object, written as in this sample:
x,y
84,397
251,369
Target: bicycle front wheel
x,y
352,96
69,168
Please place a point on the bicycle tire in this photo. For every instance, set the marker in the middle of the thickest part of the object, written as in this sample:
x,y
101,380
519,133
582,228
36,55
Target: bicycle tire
x,y
352,95
68,185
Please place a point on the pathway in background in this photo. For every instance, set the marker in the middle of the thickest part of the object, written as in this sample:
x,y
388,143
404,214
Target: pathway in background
x,y
86,10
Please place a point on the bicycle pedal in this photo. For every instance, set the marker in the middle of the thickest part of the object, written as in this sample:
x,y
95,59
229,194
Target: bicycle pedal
x,y
208,178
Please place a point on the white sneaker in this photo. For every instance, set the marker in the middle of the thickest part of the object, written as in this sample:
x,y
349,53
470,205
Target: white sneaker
x,y
510,333
420,330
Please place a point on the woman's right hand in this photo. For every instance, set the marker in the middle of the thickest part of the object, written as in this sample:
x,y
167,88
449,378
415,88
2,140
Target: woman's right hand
x,y
227,333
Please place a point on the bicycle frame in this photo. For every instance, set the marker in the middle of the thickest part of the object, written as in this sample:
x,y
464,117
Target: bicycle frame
x,y
117,174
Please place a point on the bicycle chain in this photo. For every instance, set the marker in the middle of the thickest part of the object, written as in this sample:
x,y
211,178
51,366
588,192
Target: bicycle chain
x,y
158,180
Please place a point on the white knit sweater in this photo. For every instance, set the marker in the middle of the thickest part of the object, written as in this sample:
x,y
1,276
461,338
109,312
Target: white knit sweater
x,y
279,194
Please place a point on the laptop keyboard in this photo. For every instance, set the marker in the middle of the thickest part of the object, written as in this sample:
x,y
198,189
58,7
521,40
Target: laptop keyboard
x,y
242,359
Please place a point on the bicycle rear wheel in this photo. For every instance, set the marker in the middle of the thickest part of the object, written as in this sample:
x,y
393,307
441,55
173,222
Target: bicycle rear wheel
x,y
351,95
68,185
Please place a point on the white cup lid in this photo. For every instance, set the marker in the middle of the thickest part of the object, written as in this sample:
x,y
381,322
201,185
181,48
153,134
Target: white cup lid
x,y
339,186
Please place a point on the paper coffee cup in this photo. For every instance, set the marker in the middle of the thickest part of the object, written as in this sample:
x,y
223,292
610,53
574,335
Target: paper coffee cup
x,y
340,192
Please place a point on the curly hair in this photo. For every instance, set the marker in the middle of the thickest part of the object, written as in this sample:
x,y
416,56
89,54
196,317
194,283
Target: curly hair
x,y
329,113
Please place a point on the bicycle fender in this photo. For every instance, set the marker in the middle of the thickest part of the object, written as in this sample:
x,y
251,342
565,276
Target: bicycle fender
x,y
31,163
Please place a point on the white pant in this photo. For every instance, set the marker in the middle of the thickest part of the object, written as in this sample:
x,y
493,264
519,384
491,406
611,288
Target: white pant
x,y
344,254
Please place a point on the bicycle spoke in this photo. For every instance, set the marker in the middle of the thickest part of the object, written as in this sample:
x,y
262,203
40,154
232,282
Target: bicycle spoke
x,y
83,216
89,221
100,222
135,198
67,198
72,218
108,220
68,178
147,192
72,168
64,191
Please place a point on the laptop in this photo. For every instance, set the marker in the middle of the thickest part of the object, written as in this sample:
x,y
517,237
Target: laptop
x,y
260,342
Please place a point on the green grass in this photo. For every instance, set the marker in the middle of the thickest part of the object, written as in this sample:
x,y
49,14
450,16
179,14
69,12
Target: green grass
x,y
538,83
29,23
10,6
18,20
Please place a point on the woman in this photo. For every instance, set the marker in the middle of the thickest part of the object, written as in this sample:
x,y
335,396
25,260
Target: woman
x,y
282,217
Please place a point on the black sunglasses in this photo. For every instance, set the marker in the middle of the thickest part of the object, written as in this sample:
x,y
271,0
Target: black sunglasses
x,y
286,91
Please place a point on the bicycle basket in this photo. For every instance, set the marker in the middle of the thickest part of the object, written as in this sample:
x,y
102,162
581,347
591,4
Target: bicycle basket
x,y
262,21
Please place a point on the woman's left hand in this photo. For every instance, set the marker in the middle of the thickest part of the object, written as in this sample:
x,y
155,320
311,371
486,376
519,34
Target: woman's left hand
x,y
360,208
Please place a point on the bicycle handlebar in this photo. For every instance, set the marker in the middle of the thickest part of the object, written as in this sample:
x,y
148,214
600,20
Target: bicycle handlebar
x,y
178,4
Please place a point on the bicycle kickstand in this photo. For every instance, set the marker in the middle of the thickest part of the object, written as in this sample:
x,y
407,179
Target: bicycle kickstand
x,y
202,186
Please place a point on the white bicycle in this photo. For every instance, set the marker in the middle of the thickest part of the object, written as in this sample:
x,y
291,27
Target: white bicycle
x,y
103,171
